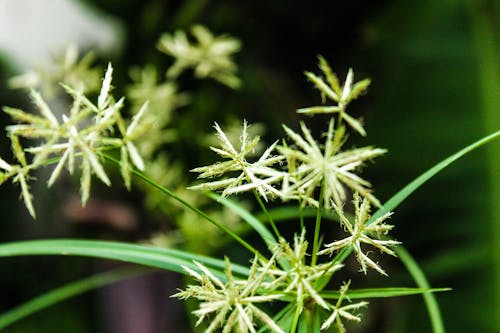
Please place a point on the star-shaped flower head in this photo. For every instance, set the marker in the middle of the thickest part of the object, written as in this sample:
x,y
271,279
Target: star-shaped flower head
x,y
210,56
340,95
78,135
312,165
232,303
163,99
258,175
296,277
344,312
363,233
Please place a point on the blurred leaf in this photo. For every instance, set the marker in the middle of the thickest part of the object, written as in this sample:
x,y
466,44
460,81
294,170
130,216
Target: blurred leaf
x,y
67,291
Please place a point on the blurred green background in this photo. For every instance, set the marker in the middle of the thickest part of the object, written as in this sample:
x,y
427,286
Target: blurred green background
x,y
435,89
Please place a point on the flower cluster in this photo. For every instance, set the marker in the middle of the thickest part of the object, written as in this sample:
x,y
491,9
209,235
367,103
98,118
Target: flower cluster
x,y
73,139
295,276
285,277
310,166
258,175
210,56
233,301
362,232
322,175
340,95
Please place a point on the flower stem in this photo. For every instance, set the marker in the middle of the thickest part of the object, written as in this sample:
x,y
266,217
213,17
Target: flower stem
x,y
301,216
298,311
317,227
186,204
266,212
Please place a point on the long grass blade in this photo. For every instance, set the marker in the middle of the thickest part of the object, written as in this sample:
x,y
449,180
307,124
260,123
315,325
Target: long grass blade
x,y
381,292
411,265
419,277
68,291
399,197
166,259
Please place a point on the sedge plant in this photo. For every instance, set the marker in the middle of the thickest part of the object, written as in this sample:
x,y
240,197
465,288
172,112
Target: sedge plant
x,y
297,282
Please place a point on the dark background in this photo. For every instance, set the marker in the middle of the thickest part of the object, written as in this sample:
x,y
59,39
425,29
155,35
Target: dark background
x,y
434,70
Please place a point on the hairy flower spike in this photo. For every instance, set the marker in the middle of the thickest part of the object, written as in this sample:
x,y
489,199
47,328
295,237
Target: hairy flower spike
x,y
19,173
342,96
313,165
296,277
340,312
80,134
232,302
163,97
362,233
210,56
257,176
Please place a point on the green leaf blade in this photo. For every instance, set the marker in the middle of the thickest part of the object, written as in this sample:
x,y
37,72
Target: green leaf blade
x,y
382,292
65,292
166,259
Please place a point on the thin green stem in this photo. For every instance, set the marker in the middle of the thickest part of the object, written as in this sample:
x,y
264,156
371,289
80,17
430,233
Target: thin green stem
x,y
266,212
298,311
186,204
317,226
301,216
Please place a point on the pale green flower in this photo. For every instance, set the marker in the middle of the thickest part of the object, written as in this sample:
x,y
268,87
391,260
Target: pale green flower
x,y
296,276
163,97
19,173
361,233
210,56
231,303
341,95
344,312
75,134
259,175
233,129
311,165
78,135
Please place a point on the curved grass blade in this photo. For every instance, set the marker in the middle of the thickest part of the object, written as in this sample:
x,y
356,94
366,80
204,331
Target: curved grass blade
x,y
381,292
68,291
166,259
421,281
411,265
420,180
